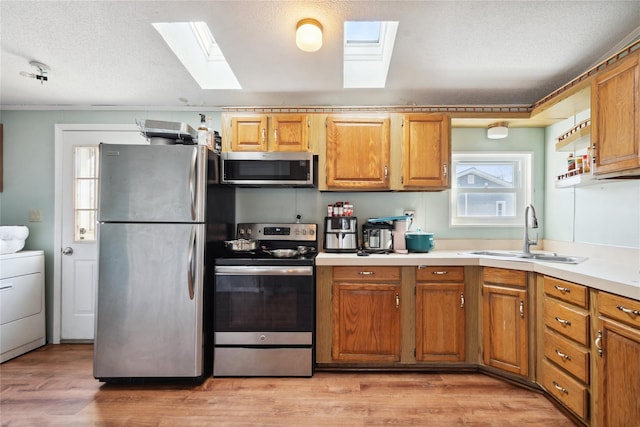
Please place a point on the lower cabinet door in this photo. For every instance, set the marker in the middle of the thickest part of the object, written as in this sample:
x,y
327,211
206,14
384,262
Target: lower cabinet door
x,y
618,374
440,322
505,329
366,322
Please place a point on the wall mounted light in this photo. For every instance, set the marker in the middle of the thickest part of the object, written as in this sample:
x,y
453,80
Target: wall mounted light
x,y
309,35
498,130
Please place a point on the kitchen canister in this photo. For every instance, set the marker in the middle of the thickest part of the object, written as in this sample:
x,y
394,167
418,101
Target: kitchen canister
x,y
419,241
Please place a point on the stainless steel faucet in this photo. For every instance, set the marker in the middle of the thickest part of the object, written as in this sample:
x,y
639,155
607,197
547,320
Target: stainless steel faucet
x,y
534,224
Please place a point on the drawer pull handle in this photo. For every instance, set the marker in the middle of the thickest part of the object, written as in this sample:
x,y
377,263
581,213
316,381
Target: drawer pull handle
x,y
366,273
521,309
598,343
6,288
562,355
628,310
561,289
440,273
422,267
560,388
397,301
461,300
563,322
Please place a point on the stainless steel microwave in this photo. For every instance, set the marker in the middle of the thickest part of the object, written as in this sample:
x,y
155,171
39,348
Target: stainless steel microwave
x,y
260,169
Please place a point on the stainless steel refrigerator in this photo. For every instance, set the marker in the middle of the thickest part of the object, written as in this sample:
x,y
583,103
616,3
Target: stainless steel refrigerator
x,y
152,236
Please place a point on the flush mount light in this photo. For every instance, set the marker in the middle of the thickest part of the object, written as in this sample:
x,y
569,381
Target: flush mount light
x,y
309,35
498,130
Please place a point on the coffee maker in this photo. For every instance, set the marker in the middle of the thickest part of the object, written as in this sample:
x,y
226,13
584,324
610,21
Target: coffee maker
x,y
340,234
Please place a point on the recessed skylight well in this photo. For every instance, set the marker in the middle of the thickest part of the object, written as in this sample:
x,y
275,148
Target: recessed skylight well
x,y
196,48
368,46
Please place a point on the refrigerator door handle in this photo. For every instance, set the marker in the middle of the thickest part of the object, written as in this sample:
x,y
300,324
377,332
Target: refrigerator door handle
x,y
192,183
192,265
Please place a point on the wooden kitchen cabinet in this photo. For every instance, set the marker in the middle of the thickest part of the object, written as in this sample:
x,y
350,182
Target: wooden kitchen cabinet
x,y
426,151
262,132
615,118
357,152
440,314
366,314
618,361
505,324
566,344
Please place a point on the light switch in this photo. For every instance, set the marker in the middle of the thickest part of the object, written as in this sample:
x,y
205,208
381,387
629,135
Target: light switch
x,y
35,215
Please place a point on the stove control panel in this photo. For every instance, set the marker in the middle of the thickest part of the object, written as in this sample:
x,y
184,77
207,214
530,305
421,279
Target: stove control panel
x,y
295,231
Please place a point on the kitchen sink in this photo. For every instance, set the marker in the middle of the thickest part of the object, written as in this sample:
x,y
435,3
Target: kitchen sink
x,y
496,253
551,257
555,258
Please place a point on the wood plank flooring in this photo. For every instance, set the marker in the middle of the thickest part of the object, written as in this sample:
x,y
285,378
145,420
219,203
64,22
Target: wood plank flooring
x,y
54,386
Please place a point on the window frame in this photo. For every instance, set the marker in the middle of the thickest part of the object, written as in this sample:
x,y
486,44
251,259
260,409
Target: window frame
x,y
523,187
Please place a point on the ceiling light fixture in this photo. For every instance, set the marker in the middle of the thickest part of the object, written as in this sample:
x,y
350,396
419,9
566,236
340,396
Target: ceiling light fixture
x,y
498,130
309,35
40,75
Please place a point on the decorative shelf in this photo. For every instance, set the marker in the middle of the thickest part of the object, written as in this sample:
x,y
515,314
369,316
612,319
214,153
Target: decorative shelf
x,y
576,139
578,180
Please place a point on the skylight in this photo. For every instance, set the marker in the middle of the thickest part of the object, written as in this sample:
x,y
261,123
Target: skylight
x,y
196,48
368,46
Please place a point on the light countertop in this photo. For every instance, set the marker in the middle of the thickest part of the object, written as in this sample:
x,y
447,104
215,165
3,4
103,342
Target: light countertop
x,y
622,277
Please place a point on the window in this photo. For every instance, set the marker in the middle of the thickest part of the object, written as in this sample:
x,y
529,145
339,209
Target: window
x,y
85,201
490,189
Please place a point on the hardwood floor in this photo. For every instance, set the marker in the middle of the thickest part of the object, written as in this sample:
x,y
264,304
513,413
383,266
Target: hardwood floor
x,y
54,386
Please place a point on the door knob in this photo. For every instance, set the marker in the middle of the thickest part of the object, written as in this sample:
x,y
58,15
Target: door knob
x,y
67,251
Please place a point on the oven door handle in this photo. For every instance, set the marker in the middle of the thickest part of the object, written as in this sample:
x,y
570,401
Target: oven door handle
x,y
253,270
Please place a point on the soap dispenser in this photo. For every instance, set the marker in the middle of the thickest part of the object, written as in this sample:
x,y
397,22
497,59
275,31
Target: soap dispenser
x,y
203,131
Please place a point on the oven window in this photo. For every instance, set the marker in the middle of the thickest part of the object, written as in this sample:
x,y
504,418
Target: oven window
x,y
263,303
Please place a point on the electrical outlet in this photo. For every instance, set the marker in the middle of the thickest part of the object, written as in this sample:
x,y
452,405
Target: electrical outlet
x,y
407,212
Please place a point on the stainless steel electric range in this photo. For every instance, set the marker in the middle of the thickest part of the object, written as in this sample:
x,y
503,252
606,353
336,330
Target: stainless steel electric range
x,y
264,303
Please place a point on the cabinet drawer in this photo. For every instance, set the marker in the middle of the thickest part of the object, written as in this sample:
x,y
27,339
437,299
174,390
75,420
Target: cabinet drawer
x,y
567,355
366,274
570,322
20,297
566,291
504,276
567,390
439,274
620,308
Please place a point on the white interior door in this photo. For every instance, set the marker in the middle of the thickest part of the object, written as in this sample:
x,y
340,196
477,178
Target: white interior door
x,y
78,262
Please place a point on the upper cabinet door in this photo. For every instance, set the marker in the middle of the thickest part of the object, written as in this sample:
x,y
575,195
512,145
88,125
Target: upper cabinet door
x,y
615,117
358,152
426,151
249,133
289,132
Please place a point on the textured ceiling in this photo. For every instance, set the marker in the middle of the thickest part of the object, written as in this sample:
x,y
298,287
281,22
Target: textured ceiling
x,y
106,53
